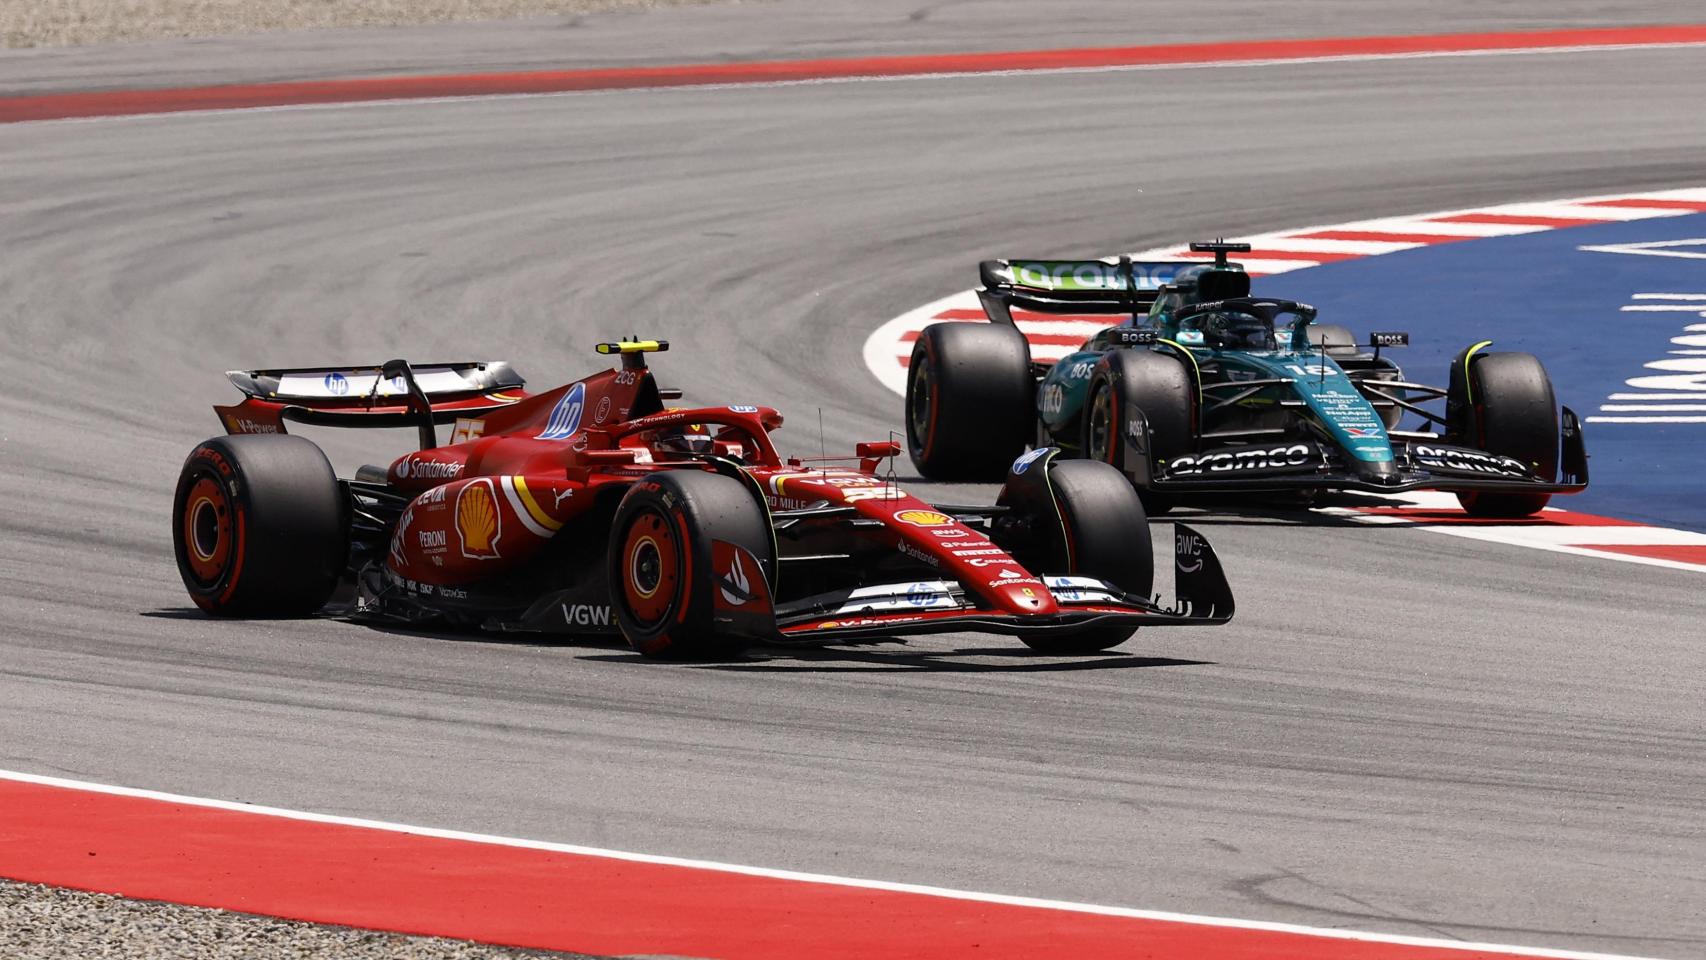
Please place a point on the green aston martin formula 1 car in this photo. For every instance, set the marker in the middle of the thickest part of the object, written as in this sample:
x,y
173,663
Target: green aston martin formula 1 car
x,y
1206,389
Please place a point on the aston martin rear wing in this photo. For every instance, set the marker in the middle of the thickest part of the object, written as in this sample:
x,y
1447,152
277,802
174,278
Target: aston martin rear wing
x,y
394,394
1073,286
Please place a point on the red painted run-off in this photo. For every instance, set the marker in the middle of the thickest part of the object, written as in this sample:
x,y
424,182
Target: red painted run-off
x,y
243,96
390,880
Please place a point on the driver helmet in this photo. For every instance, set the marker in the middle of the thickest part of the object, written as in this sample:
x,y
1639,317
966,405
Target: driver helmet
x,y
685,440
1238,330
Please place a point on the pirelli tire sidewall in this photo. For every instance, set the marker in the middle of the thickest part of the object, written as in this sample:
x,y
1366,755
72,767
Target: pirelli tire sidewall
x,y
660,560
1161,387
1102,532
260,526
970,401
1503,403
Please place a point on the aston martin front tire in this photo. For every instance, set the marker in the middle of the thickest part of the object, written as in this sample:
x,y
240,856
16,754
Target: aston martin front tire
x,y
1507,407
1159,386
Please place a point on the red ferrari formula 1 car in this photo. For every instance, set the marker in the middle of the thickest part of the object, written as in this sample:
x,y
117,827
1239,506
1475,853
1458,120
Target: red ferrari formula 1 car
x,y
593,509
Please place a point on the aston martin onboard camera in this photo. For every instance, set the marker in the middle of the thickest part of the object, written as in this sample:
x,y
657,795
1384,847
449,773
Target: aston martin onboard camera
x,y
593,509
1206,389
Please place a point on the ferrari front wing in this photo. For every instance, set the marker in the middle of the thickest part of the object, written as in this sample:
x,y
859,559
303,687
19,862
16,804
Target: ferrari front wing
x,y
1203,599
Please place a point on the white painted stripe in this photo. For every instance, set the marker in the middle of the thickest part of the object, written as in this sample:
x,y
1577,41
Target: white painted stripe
x,y
1255,266
1672,407
1669,296
1578,540
1665,248
1663,308
1082,329
879,349
1050,352
1681,193
1426,225
1658,396
514,498
1360,248
1646,419
1584,536
818,878
1565,208
1512,536
1426,499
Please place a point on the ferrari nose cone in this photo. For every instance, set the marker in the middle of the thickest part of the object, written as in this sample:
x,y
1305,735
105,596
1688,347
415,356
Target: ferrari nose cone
x,y
1029,598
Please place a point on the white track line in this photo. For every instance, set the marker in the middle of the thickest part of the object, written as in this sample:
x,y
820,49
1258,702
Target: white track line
x,y
829,879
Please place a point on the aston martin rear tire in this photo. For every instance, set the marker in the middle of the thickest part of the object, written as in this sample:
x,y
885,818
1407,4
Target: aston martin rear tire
x,y
1103,533
970,399
260,526
1159,386
1508,408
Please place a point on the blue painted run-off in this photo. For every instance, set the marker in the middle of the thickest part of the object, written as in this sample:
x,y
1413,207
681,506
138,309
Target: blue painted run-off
x,y
1539,293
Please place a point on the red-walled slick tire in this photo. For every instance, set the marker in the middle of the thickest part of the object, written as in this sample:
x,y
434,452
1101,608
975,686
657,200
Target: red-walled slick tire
x,y
661,579
260,526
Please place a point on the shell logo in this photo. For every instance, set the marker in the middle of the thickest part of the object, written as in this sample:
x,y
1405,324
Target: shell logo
x,y
923,518
477,520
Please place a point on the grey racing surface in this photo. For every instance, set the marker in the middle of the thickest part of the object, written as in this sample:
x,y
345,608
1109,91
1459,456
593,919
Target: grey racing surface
x,y
1400,732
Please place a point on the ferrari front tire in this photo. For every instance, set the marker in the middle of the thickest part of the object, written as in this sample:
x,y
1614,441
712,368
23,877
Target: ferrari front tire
x,y
260,526
1103,533
659,561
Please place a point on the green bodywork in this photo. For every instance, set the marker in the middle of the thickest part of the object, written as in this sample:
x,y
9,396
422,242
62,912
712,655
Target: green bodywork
x,y
1328,397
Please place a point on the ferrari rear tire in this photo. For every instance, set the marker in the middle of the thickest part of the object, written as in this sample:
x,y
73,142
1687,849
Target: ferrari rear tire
x,y
1103,533
970,401
260,526
1159,386
659,561
1508,409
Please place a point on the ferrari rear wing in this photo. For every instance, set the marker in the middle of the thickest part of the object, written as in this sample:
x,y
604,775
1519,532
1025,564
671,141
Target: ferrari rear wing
x,y
334,387
1073,286
394,394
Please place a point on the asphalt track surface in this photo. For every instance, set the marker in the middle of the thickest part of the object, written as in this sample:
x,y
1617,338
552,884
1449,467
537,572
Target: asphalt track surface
x,y
1400,732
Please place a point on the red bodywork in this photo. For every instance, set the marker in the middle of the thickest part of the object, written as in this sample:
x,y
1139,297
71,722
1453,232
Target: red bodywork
x,y
521,468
